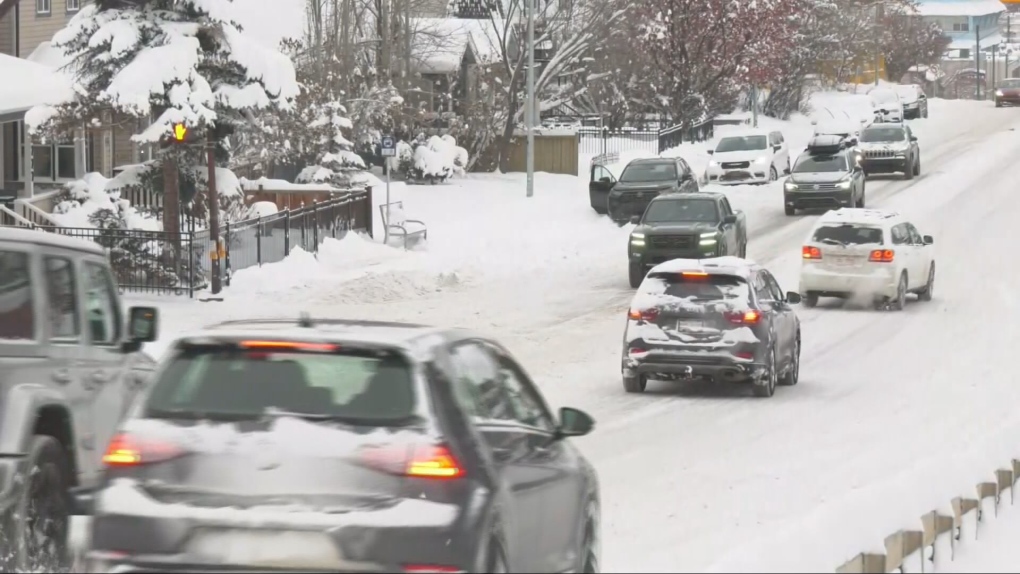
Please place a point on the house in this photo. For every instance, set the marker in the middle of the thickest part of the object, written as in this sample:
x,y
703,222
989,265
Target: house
x,y
966,22
449,56
37,70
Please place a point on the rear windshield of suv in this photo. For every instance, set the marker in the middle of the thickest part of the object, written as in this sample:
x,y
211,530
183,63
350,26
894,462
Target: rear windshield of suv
x,y
848,234
224,382
17,319
701,288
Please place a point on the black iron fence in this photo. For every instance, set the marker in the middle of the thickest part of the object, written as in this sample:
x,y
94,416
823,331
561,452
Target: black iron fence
x,y
603,140
179,263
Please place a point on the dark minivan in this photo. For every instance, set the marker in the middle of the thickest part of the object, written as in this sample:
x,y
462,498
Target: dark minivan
x,y
345,446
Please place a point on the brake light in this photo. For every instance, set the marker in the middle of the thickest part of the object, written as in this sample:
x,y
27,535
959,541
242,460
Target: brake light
x,y
882,256
749,317
290,345
809,252
694,275
126,450
422,461
744,355
643,315
430,569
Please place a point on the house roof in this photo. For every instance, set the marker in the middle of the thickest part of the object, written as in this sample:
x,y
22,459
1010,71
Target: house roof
x,y
37,84
440,43
959,7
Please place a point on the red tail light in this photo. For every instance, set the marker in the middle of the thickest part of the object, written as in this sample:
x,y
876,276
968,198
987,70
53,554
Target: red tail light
x,y
749,317
644,315
882,256
126,450
422,460
744,355
289,346
430,569
808,252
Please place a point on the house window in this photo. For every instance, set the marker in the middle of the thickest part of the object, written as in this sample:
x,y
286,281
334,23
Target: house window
x,y
42,6
965,53
961,27
54,161
73,5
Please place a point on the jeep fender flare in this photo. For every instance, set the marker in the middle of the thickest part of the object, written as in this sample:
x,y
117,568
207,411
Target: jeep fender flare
x,y
19,412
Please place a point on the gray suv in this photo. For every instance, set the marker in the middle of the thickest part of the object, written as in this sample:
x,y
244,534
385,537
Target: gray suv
x,y
69,367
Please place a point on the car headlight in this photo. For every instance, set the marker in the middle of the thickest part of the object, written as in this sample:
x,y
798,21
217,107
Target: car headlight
x,y
709,239
762,160
998,93
790,186
845,184
713,163
637,239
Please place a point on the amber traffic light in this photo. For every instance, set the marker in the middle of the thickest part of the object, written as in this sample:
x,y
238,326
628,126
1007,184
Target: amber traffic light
x,y
180,132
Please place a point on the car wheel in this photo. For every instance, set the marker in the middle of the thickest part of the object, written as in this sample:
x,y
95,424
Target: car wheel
x,y
790,210
773,174
917,167
637,275
635,384
908,171
769,388
810,300
792,375
929,288
497,562
591,547
41,519
900,302
743,250
788,169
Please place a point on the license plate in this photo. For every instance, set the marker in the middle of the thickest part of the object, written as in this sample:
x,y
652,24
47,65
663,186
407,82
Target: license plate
x,y
690,324
844,261
266,548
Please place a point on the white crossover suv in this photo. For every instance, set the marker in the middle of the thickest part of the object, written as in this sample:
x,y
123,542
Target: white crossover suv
x,y
749,156
877,256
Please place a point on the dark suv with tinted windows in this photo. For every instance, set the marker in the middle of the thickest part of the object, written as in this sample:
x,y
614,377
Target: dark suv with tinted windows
x,y
69,367
345,446
645,179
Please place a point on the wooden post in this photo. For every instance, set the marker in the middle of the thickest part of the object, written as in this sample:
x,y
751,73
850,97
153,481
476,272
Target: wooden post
x,y
214,213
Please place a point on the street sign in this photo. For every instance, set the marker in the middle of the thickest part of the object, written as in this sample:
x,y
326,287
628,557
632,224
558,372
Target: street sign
x,y
389,146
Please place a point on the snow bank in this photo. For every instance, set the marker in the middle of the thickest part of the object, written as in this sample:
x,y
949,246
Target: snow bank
x,y
94,196
437,159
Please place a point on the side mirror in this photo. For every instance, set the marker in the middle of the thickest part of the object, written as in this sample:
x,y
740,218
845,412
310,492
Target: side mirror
x,y
635,219
574,422
792,297
913,138
777,147
731,218
922,97
711,151
929,240
852,141
143,327
605,180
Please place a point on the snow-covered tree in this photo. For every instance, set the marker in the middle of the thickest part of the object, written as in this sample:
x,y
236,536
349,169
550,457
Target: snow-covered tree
x,y
337,163
175,61
907,41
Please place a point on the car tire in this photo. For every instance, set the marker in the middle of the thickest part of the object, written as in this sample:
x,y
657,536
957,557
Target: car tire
x,y
769,388
900,302
929,288
636,384
792,376
743,250
917,167
789,170
496,562
790,210
41,514
908,171
636,272
810,300
773,174
591,549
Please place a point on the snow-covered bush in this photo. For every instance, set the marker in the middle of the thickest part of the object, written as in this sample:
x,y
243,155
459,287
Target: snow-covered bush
x,y
434,160
337,164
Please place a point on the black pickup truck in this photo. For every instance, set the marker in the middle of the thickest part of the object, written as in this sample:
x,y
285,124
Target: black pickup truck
x,y
685,226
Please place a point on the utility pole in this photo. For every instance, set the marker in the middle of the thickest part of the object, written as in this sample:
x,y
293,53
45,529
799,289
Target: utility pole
x,y
754,105
529,112
1009,41
977,61
879,15
214,213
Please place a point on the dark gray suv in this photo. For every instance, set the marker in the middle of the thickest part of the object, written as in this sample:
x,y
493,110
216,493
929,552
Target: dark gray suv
x,y
69,367
344,446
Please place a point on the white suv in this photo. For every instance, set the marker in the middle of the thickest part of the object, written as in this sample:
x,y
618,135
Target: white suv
x,y
749,156
867,254
887,104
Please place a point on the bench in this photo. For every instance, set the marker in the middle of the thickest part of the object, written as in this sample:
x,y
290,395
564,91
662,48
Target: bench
x,y
397,224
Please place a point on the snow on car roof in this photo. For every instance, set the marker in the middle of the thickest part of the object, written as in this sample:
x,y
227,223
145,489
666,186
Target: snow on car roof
x,y
858,215
728,265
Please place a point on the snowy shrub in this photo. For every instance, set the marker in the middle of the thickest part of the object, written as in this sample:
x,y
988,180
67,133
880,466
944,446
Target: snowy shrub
x,y
337,164
434,160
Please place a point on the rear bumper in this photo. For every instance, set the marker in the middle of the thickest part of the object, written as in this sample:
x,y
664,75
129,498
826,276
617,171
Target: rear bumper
x,y
680,366
135,534
828,284
1007,101
818,199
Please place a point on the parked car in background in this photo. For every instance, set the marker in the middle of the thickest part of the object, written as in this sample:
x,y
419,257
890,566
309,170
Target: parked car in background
x,y
887,104
749,156
915,102
70,365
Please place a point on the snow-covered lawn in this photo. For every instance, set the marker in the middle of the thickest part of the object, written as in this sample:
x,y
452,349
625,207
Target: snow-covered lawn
x,y
883,427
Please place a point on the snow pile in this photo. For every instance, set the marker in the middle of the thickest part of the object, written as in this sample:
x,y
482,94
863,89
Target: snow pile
x,y
94,201
434,160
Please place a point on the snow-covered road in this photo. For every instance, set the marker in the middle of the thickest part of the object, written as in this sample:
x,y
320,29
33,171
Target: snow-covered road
x,y
692,474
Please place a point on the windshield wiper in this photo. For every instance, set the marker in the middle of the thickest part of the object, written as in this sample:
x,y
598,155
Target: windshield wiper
x,y
831,241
